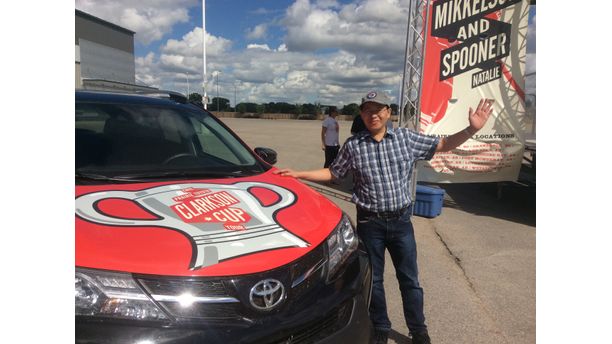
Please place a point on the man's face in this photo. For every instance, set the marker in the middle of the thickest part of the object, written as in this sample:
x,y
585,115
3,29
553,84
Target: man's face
x,y
375,116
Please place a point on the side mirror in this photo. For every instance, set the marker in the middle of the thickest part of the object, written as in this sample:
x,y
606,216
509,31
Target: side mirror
x,y
267,154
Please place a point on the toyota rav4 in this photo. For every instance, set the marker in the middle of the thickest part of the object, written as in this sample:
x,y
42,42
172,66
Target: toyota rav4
x,y
184,235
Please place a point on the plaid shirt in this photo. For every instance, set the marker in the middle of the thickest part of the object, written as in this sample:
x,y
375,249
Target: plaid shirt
x,y
382,170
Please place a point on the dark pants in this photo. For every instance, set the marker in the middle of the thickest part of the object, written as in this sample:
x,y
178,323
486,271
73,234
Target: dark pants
x,y
396,235
331,152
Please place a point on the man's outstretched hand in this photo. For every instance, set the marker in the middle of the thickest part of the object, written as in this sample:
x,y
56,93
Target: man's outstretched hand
x,y
286,172
479,117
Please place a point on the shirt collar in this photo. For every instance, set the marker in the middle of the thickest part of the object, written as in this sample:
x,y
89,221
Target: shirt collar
x,y
366,133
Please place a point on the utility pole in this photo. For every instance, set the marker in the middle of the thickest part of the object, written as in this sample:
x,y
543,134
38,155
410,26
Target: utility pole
x,y
235,97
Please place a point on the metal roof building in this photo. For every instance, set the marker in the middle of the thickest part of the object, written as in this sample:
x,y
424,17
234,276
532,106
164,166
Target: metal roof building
x,y
104,55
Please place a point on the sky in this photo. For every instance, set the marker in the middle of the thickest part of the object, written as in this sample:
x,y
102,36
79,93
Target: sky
x,y
296,51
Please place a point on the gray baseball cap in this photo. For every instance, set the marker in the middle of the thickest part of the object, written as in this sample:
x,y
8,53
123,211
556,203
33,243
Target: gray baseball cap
x,y
376,97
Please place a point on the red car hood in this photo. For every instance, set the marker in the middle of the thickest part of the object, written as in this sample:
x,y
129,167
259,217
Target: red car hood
x,y
200,227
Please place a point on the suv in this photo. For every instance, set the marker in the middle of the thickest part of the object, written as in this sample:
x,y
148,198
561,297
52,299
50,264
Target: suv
x,y
184,235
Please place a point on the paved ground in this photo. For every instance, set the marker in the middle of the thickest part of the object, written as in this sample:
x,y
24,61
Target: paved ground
x,y
477,259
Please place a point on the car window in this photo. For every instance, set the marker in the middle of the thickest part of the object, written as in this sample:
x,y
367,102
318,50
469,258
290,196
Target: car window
x,y
212,142
140,138
90,118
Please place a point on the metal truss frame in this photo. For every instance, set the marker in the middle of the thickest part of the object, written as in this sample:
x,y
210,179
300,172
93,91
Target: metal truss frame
x,y
414,59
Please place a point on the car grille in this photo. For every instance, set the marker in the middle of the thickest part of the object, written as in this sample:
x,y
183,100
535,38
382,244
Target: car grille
x,y
316,331
204,311
227,297
178,286
212,288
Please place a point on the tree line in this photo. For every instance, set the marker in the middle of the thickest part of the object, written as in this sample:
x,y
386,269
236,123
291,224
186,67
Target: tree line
x,y
223,104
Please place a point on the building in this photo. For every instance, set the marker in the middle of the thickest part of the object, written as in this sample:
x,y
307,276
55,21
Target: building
x,y
104,55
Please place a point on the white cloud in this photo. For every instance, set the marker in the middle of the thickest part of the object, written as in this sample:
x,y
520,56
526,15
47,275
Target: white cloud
x,y
191,44
180,62
288,76
146,70
370,27
173,61
258,46
374,10
299,79
152,20
259,31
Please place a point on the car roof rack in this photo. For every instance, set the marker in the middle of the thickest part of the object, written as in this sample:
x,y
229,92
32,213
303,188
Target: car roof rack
x,y
176,96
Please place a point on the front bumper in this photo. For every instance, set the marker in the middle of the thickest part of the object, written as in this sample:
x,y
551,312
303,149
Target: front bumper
x,y
335,312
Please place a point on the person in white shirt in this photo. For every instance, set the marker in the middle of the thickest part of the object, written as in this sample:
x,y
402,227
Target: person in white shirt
x,y
330,137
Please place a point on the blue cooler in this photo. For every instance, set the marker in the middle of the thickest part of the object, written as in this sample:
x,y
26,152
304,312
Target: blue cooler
x,y
428,201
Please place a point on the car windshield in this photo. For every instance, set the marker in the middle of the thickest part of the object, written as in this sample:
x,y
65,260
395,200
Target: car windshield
x,y
138,141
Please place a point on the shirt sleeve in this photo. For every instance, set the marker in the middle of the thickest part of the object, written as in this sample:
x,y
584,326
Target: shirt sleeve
x,y
423,146
326,123
343,162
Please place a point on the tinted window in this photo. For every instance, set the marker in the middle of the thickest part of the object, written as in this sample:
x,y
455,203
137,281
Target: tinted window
x,y
140,138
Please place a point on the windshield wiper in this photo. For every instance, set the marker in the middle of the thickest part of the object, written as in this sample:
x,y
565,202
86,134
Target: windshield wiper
x,y
103,178
191,174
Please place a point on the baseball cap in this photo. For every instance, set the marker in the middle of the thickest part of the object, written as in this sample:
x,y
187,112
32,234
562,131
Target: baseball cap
x,y
376,97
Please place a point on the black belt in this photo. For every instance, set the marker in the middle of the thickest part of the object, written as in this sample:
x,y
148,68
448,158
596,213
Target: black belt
x,y
394,214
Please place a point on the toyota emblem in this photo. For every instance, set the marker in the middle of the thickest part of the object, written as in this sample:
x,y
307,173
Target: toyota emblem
x,y
267,294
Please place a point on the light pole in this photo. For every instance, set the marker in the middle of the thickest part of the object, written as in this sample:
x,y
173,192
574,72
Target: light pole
x,y
218,91
205,98
187,77
235,97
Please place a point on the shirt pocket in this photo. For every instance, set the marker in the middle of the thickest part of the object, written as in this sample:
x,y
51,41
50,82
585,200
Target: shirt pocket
x,y
399,165
363,171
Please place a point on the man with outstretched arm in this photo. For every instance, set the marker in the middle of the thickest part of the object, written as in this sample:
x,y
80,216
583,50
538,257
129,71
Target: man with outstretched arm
x,y
382,160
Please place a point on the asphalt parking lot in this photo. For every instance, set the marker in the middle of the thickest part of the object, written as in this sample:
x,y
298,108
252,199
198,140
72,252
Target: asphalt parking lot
x,y
476,260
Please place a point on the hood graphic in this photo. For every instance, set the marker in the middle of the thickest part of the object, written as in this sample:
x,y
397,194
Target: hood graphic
x,y
222,221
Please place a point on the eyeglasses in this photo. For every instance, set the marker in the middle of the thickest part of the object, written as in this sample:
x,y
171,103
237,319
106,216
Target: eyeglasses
x,y
373,110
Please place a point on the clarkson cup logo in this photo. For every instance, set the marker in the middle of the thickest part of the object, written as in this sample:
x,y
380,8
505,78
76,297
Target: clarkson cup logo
x,y
221,221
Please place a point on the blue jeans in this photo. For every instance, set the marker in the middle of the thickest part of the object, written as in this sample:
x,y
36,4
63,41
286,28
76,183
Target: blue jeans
x,y
331,152
396,235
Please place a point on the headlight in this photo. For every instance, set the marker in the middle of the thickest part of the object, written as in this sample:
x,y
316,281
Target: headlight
x,y
112,294
340,244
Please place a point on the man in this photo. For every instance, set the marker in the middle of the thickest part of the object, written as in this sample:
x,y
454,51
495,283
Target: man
x,y
382,160
330,137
